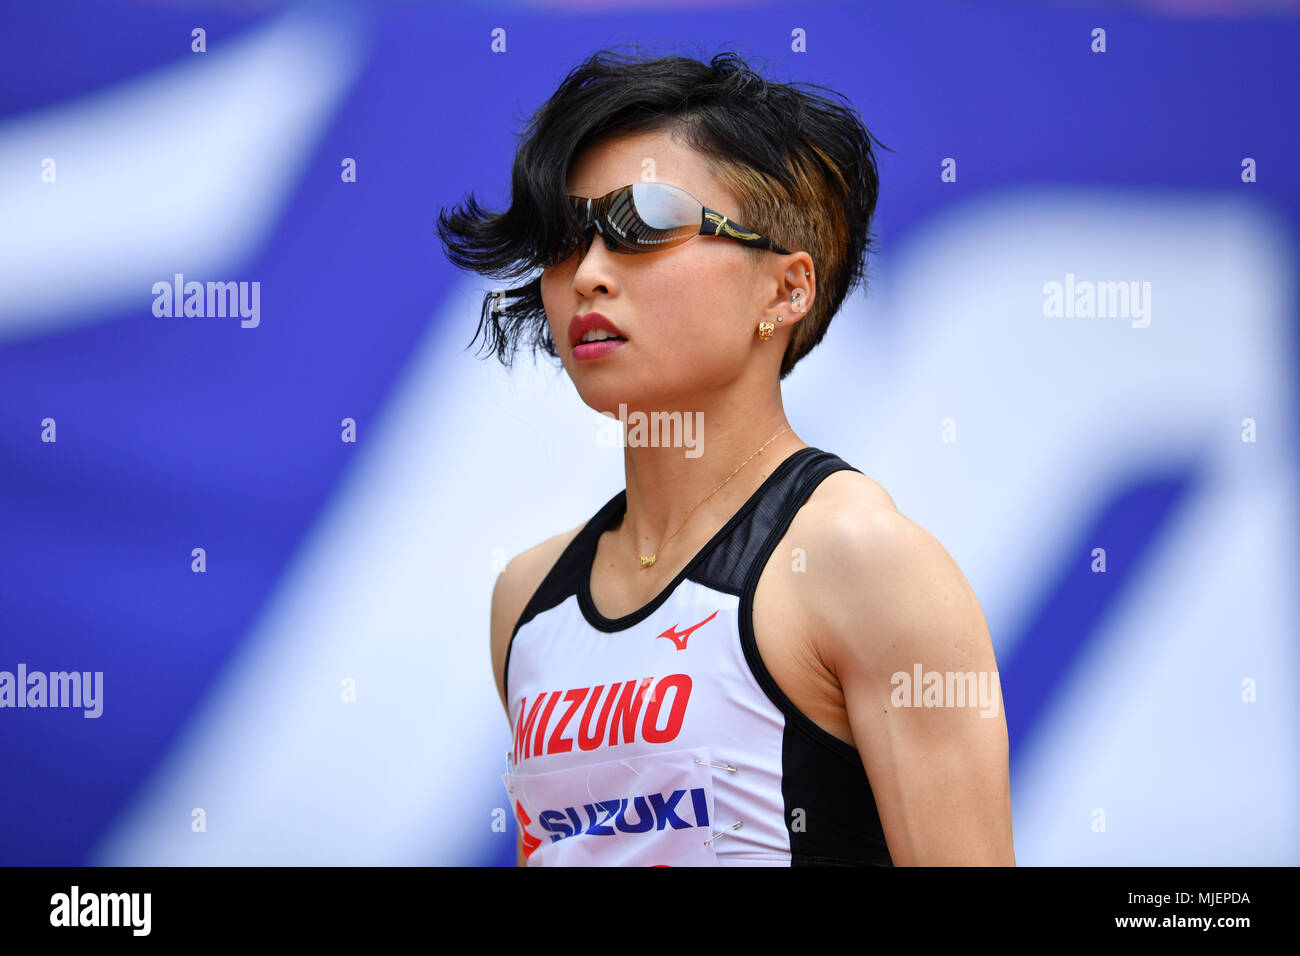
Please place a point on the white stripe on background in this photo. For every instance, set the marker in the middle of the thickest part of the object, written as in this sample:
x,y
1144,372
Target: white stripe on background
x,y
185,169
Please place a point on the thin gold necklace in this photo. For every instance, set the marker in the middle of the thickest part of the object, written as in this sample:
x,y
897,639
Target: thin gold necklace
x,y
648,560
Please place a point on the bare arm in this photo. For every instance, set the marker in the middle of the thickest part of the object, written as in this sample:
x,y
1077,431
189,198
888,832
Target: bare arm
x,y
891,600
514,587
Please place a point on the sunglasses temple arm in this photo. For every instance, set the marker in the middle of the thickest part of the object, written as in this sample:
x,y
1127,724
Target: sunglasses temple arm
x,y
715,224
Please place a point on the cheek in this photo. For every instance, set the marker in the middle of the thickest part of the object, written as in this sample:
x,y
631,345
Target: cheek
x,y
711,314
703,308
694,336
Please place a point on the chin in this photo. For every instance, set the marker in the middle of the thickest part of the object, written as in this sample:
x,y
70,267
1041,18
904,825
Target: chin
x,y
605,397
604,392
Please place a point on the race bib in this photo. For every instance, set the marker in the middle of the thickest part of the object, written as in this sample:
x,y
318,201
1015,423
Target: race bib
x,y
641,811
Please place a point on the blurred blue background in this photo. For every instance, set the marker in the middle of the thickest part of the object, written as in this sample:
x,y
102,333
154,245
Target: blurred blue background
x,y
372,562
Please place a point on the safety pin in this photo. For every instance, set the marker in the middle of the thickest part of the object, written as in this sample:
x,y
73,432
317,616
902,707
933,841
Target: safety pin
x,y
734,826
720,766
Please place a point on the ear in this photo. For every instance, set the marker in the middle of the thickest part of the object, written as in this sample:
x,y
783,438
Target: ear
x,y
795,290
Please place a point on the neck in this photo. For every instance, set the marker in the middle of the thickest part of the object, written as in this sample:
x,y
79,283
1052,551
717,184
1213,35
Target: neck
x,y
664,483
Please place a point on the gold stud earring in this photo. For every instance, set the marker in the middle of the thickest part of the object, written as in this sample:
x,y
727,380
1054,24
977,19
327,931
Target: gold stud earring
x,y
765,330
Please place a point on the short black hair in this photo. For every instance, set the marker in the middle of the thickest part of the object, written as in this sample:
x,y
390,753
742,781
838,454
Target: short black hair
x,y
801,164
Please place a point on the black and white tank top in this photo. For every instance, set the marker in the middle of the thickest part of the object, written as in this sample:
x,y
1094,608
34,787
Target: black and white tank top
x,y
659,738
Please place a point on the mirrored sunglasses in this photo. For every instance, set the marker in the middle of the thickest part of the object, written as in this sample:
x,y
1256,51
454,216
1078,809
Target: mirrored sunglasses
x,y
647,217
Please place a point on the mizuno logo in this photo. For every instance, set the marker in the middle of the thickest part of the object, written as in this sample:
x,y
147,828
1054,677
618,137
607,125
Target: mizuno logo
x,y
680,637
653,709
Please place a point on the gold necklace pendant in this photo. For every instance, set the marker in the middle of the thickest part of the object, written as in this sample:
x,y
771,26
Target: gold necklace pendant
x,y
649,560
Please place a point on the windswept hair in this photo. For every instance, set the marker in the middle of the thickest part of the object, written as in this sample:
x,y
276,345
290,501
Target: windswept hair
x,y
800,163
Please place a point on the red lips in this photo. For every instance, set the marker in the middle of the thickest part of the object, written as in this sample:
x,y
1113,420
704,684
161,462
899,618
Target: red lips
x,y
580,325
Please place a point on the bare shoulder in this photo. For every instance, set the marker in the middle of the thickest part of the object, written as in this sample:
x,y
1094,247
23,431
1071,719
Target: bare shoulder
x,y
880,585
848,489
515,585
